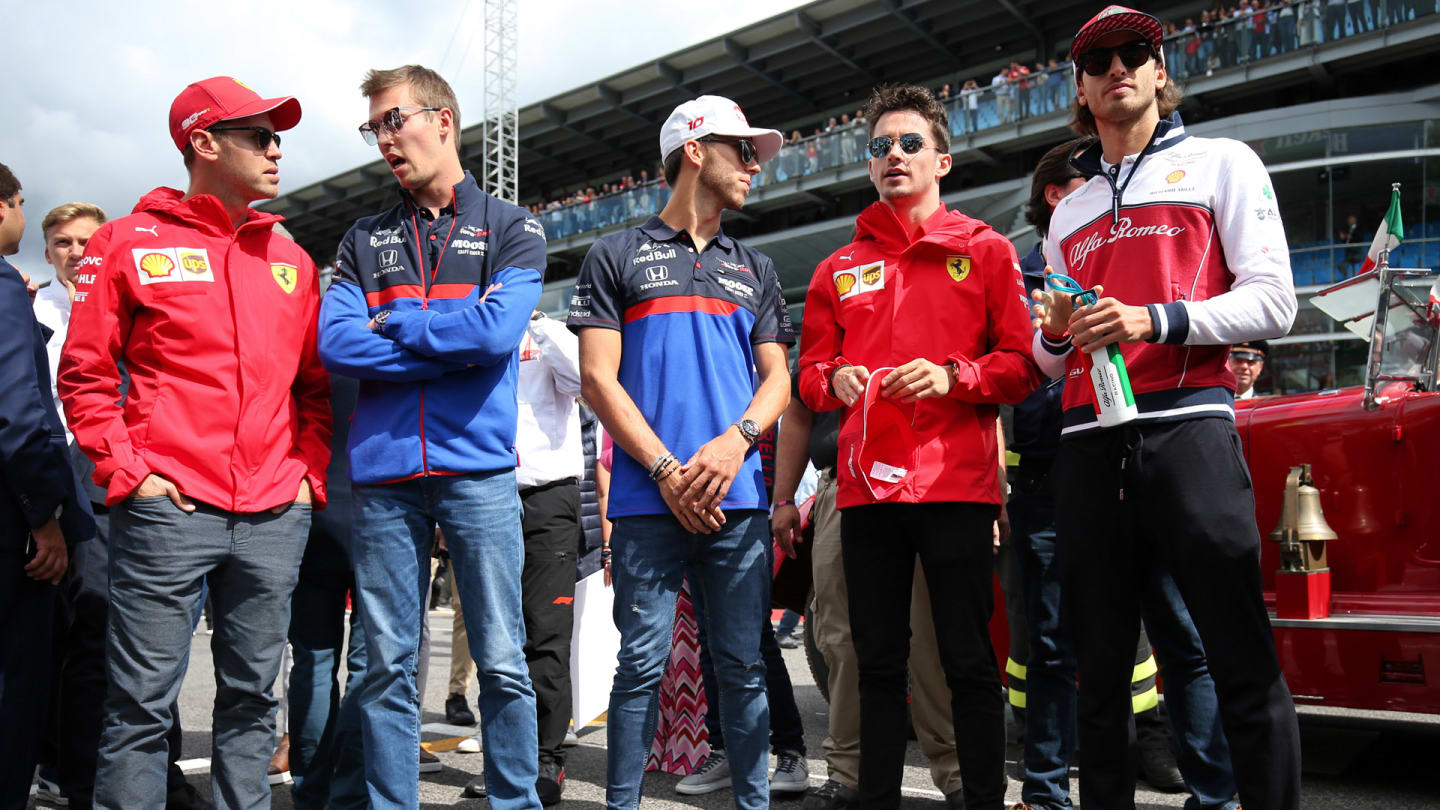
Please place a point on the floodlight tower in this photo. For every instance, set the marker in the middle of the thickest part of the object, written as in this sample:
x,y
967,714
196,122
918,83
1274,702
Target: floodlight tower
x,y
502,127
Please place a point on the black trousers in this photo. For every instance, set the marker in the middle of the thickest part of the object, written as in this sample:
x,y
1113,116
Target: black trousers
x,y
547,587
880,543
1177,493
26,609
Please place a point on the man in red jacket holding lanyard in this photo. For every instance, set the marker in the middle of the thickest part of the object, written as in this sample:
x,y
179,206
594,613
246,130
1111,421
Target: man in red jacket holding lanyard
x,y
919,328
212,465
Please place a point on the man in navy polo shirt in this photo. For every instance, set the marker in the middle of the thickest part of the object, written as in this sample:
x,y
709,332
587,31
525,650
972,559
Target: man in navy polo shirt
x,y
683,335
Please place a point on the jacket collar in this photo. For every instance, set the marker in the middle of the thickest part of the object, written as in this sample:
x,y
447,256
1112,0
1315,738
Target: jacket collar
x,y
203,211
880,223
655,228
1168,132
465,196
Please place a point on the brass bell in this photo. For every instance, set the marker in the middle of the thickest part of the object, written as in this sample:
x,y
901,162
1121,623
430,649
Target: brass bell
x,y
1302,531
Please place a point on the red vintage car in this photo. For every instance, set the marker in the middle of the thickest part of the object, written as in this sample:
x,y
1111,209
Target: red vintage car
x,y
1373,453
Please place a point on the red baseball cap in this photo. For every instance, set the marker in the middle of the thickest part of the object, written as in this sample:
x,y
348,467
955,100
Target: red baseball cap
x,y
1118,18
220,99
883,454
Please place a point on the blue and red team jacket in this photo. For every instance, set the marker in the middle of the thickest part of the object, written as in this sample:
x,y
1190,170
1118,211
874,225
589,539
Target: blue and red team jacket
x,y
437,381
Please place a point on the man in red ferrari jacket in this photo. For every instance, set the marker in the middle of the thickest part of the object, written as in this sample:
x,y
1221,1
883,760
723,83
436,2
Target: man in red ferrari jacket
x,y
212,464
919,327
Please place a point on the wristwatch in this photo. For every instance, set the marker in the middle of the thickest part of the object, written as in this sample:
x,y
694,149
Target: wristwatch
x,y
749,430
380,318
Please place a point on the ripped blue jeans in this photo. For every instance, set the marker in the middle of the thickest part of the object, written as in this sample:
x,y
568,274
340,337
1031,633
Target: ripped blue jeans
x,y
731,570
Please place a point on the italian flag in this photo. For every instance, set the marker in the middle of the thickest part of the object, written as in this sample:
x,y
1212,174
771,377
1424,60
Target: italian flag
x,y
1392,230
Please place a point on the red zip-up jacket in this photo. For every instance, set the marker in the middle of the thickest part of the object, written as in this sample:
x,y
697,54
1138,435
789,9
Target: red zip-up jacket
x,y
952,291
216,327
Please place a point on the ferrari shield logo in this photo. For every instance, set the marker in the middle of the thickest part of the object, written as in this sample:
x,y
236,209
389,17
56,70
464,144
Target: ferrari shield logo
x,y
958,267
286,276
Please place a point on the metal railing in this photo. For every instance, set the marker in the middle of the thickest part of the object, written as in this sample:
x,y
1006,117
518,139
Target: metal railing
x,y
1208,48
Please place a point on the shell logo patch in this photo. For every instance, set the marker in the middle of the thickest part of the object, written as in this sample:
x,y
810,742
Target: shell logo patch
x,y
958,267
1174,177
862,279
156,265
285,275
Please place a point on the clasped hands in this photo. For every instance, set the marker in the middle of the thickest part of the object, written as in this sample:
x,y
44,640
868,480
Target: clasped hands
x,y
695,490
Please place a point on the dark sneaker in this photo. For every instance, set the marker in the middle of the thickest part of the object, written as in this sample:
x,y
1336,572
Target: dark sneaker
x,y
551,784
186,797
789,641
47,787
831,796
457,712
475,788
712,775
1157,766
955,799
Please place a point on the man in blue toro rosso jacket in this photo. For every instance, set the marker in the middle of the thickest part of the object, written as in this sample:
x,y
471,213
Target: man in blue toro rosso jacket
x,y
429,304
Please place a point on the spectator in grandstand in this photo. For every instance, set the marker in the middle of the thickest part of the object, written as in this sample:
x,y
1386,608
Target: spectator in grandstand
x,y
1004,94
921,436
1283,26
1019,78
1356,11
1334,21
232,460
1210,544
454,469
970,94
707,514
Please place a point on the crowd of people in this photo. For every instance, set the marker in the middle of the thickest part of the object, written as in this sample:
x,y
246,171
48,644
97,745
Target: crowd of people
x,y
231,424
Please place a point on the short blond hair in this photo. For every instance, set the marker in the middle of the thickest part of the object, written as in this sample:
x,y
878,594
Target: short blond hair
x,y
426,87
69,212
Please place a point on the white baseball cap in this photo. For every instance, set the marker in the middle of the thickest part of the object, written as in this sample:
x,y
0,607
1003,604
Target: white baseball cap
x,y
715,115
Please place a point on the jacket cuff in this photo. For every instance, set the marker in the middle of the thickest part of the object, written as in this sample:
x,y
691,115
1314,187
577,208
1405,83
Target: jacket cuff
x,y
1170,322
318,496
1058,345
122,482
967,374
39,507
827,375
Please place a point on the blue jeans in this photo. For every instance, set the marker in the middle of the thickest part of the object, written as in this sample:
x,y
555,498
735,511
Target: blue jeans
x,y
787,729
651,556
159,556
347,777
1194,711
394,531
1050,677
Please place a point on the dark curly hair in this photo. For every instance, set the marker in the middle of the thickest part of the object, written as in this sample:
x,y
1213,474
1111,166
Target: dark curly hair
x,y
9,186
910,98
1053,170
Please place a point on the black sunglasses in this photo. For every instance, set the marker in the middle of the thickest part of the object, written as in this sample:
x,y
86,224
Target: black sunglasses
x,y
744,146
910,143
262,136
1133,54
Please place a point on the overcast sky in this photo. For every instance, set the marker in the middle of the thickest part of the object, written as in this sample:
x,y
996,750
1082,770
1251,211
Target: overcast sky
x,y
88,85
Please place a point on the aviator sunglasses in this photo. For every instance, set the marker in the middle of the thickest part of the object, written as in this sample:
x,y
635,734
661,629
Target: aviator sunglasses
x,y
262,136
391,121
910,143
1133,54
744,146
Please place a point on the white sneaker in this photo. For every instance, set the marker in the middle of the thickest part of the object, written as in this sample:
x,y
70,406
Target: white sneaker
x,y
469,745
791,775
712,775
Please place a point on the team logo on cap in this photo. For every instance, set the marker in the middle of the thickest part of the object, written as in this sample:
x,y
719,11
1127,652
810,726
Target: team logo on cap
x,y
958,267
193,117
285,275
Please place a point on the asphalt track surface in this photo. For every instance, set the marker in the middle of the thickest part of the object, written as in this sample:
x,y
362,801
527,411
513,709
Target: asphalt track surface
x,y
1353,760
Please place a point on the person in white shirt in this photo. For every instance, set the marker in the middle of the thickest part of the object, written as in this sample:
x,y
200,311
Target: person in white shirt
x,y
552,462
1246,362
66,230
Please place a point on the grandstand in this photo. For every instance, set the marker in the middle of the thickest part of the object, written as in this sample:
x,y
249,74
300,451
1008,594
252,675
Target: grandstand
x,y
1337,116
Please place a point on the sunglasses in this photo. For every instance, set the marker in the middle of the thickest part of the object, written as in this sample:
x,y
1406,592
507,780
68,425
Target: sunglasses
x,y
744,146
390,121
1133,54
910,143
262,136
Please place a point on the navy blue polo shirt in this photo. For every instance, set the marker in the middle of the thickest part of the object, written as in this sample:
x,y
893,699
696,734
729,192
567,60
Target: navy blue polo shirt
x,y
689,319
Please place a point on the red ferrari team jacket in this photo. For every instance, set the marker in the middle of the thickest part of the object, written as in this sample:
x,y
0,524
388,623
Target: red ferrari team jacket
x,y
216,327
951,291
